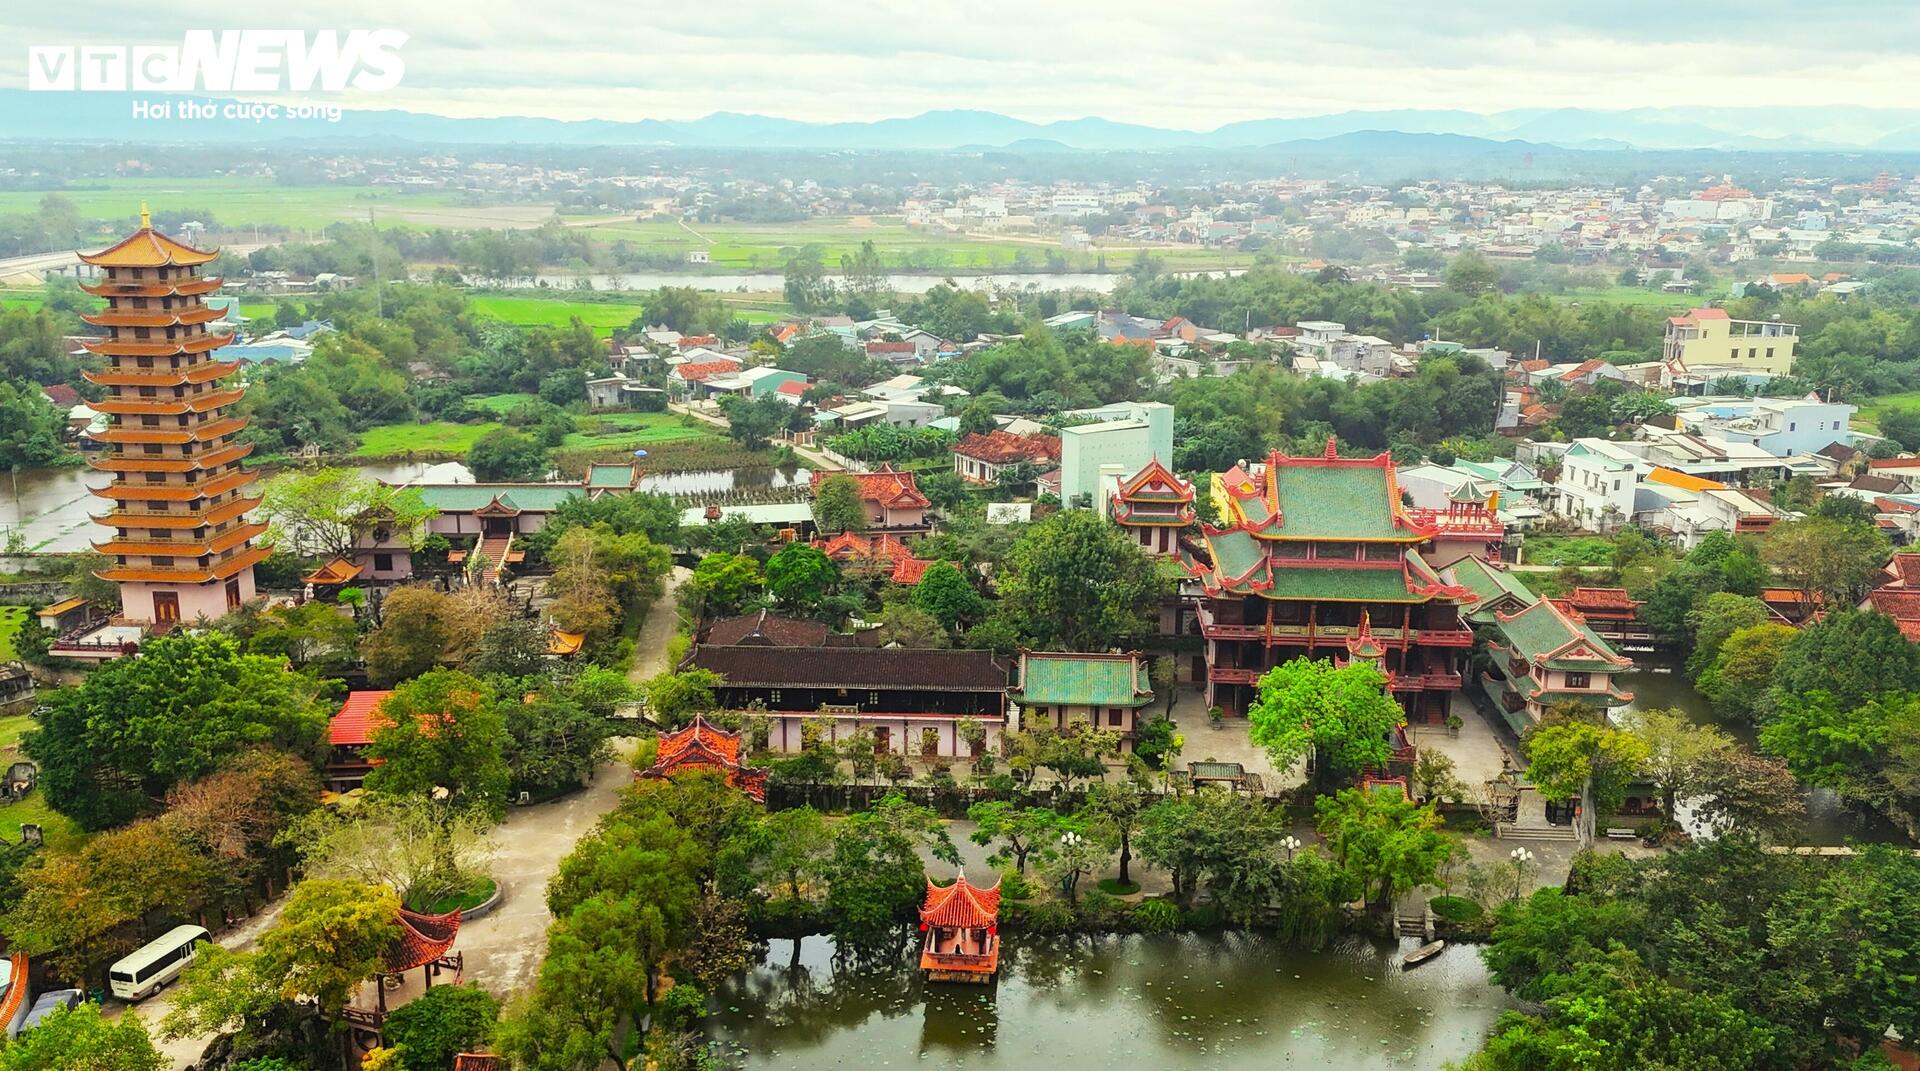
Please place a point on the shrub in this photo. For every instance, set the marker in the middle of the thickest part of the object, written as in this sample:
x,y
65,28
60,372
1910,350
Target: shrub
x,y
1157,916
1204,917
1014,885
1042,916
1455,909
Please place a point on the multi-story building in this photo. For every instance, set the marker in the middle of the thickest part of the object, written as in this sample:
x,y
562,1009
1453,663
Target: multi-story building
x,y
1319,559
182,545
1596,484
1128,435
1541,652
1709,342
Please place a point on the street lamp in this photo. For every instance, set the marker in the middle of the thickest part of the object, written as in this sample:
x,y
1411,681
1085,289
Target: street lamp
x,y
1292,844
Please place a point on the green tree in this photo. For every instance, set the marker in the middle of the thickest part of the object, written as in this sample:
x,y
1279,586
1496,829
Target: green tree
x,y
837,506
1119,807
554,742
943,591
442,731
414,632
800,575
793,849
29,430
328,511
330,937
722,583
674,698
1867,751
1853,655
1579,759
1836,560
1679,753
78,1039
1020,830
434,1027
1741,674
1342,717
110,748
875,877
754,422
1383,841
505,455
1471,274
1076,582
1716,617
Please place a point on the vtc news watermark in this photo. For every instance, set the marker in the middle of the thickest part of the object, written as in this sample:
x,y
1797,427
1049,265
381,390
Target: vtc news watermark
x,y
227,61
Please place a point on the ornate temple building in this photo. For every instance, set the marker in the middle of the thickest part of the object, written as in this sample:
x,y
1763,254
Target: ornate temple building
x,y
1154,506
182,545
961,924
1315,549
703,746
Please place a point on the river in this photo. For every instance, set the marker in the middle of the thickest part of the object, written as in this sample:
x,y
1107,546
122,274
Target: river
x,y
1184,1002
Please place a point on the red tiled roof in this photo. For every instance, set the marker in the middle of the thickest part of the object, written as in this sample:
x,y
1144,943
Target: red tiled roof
x,y
890,347
337,571
701,746
1602,598
1003,447
423,939
765,629
1905,568
885,485
909,570
354,725
791,386
61,394
962,905
694,371
479,1061
1708,314
1902,606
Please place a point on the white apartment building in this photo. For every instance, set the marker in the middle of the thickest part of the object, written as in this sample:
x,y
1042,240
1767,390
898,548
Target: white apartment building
x,y
1596,485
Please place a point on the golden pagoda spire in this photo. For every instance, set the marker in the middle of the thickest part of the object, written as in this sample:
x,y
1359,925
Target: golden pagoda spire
x,y
146,218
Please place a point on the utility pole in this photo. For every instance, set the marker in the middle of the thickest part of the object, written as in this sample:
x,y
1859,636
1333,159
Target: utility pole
x,y
373,255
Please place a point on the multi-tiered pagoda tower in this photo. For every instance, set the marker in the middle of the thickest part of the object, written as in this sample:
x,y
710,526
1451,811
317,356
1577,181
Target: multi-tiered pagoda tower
x,y
182,544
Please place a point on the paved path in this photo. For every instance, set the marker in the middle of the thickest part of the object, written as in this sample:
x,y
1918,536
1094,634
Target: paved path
x,y
503,949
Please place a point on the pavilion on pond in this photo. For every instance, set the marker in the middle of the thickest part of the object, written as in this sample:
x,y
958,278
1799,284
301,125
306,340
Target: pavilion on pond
x,y
961,922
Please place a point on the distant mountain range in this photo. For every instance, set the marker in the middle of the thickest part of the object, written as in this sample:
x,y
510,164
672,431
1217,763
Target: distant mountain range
x,y
109,117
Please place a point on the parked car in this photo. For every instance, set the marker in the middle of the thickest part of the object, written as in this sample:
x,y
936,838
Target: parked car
x,y
50,1001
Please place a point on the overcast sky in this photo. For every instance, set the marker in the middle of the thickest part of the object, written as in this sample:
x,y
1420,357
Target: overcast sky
x,y
1194,63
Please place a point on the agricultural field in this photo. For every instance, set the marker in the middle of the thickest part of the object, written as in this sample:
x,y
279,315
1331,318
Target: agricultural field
x,y
608,430
237,203
502,403
11,618
758,246
1870,410
435,439
557,311
1630,295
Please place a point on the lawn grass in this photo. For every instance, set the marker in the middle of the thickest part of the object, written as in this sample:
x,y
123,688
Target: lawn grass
x,y
58,830
1870,410
557,311
1629,295
762,246
502,403
1568,550
12,728
11,618
634,429
439,438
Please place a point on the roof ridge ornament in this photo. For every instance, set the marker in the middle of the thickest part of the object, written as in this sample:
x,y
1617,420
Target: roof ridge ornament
x,y
146,218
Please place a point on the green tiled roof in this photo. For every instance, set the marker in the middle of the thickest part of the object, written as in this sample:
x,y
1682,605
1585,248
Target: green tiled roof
x,y
1334,502
1236,552
1488,583
604,475
1540,629
467,497
1084,680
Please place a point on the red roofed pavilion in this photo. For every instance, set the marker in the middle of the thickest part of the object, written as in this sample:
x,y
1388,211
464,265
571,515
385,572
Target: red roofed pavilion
x,y
962,924
702,746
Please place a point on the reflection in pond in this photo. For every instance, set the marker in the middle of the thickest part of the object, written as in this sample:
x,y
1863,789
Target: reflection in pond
x,y
1165,1001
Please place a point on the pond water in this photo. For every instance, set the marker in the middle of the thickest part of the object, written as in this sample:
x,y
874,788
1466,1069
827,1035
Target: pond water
x,y
1185,1002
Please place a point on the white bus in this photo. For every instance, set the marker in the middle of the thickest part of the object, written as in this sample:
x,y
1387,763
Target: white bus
x,y
160,961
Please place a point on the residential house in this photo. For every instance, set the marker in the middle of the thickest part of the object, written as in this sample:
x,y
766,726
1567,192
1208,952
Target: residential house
x,y
892,498
1707,341
981,458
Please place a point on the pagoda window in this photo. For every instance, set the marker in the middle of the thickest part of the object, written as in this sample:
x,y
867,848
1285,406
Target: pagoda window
x,y
157,533
1382,552
145,362
152,448
1336,551
1579,680
157,507
155,477
163,561
1293,551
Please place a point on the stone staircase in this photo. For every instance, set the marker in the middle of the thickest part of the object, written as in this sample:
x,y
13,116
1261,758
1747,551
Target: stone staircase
x,y
494,549
1546,833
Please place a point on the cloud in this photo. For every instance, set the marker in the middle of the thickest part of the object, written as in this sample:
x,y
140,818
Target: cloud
x,y
1196,65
